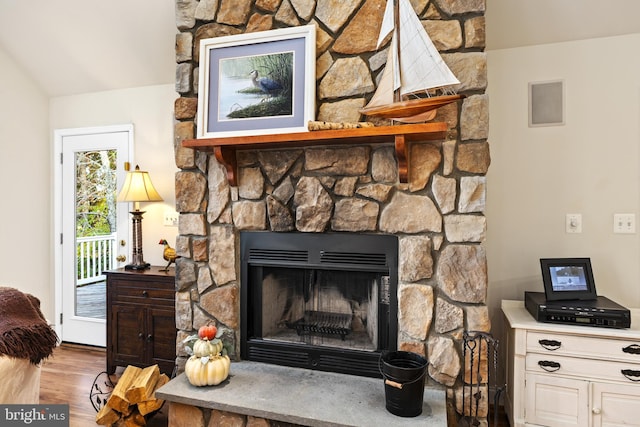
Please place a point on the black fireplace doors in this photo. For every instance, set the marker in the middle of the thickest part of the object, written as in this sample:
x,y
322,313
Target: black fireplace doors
x,y
319,301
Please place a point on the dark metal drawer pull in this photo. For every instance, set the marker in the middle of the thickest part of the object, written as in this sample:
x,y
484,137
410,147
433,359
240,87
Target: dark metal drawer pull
x,y
549,366
631,373
550,345
632,349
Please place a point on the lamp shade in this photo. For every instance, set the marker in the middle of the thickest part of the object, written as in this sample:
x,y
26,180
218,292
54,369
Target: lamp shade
x,y
137,187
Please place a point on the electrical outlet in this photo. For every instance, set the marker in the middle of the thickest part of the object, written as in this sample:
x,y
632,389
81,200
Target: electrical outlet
x,y
624,223
573,223
170,218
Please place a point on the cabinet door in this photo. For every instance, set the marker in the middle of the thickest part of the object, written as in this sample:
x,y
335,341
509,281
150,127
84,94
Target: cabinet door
x,y
127,334
555,401
161,338
615,404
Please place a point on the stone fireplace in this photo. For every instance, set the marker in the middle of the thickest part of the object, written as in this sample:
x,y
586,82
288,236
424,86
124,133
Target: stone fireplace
x,y
437,217
321,301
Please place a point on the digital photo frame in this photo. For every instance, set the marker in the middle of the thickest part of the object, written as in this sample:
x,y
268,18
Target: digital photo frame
x,y
568,279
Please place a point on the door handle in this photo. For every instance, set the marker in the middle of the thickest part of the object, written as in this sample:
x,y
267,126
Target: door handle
x,y
549,365
632,349
550,345
628,373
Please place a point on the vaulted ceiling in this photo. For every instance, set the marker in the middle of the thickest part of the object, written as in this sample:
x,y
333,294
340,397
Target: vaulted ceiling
x,y
78,46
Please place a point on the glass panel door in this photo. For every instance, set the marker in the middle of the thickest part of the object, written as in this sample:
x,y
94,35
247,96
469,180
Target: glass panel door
x,y
94,227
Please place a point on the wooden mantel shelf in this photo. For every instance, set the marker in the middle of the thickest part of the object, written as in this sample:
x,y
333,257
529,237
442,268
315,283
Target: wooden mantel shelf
x,y
225,148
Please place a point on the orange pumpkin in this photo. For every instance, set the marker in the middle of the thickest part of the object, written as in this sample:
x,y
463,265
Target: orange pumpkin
x,y
207,331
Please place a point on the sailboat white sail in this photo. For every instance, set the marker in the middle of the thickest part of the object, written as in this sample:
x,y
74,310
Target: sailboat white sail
x,y
413,65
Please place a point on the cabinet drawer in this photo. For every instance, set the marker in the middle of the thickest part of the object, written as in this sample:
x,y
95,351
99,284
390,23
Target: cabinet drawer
x,y
585,368
589,347
141,292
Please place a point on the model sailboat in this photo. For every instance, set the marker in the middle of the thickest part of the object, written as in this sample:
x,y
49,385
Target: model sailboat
x,y
413,66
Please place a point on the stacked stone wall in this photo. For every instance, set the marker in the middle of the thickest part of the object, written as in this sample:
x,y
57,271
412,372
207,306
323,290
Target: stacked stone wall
x,y
438,216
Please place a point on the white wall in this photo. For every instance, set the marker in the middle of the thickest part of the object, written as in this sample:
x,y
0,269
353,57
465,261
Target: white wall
x,y
150,110
589,166
25,173
29,118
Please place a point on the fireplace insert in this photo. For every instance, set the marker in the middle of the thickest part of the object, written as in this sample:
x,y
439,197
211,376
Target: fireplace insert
x,y
319,301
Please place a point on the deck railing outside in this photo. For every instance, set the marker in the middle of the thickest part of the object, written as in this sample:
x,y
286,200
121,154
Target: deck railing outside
x,y
95,255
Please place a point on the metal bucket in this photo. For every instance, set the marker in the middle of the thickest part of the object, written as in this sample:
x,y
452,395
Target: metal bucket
x,y
404,376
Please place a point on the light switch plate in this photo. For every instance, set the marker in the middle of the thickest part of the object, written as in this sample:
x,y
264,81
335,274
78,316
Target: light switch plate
x,y
170,218
624,223
573,223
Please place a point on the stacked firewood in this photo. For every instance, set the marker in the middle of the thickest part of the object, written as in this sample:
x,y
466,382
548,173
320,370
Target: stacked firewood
x,y
133,400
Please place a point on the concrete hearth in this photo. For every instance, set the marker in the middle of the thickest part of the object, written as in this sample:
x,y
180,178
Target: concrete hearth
x,y
298,396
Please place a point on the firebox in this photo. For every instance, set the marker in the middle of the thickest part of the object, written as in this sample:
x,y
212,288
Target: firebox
x,y
319,301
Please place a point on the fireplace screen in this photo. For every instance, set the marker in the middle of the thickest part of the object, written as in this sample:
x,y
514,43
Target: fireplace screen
x,y
322,307
324,302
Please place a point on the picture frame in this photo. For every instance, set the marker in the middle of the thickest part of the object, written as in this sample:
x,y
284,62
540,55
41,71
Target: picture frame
x,y
257,83
568,279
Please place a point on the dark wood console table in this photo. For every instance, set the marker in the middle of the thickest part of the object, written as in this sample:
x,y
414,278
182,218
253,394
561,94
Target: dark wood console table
x,y
141,324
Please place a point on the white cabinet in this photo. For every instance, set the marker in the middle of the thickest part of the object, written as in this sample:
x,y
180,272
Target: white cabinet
x,y
570,376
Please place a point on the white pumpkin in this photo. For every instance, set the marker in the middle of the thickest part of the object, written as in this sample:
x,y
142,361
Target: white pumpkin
x,y
202,371
204,347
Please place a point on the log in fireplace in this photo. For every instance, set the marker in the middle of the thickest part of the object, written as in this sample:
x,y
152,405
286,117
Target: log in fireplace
x,y
319,301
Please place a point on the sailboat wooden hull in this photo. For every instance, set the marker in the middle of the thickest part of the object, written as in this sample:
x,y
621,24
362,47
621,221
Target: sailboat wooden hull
x,y
410,108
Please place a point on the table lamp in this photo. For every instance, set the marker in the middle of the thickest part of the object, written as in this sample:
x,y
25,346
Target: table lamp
x,y
137,188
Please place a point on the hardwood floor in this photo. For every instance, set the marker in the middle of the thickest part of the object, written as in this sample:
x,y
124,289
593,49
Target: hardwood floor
x,y
500,420
67,378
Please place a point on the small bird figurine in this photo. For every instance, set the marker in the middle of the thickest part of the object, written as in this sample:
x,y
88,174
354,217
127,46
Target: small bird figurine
x,y
169,254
